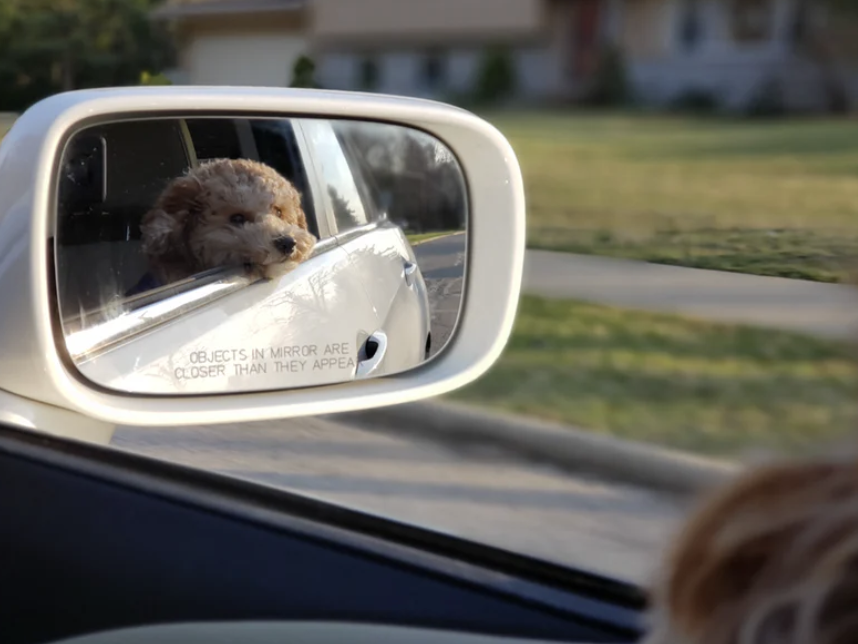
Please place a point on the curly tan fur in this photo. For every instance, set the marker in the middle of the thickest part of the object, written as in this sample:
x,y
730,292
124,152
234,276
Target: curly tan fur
x,y
772,558
227,212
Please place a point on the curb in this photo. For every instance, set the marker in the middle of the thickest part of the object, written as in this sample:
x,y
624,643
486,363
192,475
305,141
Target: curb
x,y
561,446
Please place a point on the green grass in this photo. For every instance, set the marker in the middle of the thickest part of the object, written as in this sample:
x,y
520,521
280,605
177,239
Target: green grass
x,y
5,124
715,389
416,238
772,198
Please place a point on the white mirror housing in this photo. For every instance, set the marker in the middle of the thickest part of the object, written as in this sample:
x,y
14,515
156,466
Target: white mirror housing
x,y
35,371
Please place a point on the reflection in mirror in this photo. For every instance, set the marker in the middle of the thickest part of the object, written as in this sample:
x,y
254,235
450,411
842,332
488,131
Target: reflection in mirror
x,y
219,254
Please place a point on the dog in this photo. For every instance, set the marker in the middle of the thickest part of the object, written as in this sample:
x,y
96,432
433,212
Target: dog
x,y
225,212
770,558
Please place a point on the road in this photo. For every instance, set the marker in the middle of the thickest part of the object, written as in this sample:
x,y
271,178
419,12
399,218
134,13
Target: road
x,y
477,495
442,262
828,310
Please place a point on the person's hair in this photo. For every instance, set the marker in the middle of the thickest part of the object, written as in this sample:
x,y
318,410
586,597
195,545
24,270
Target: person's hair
x,y
770,558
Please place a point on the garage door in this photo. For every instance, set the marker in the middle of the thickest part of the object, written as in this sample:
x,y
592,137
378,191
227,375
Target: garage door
x,y
244,59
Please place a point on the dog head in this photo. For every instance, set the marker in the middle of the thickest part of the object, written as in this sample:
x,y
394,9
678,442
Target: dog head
x,y
773,557
223,213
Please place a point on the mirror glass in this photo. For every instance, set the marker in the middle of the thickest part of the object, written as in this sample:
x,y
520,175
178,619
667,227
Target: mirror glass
x,y
219,254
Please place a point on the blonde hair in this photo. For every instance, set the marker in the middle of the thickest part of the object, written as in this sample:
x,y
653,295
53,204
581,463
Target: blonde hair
x,y
771,558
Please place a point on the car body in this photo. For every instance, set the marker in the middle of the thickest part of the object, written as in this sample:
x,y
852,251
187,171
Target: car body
x,y
363,271
95,540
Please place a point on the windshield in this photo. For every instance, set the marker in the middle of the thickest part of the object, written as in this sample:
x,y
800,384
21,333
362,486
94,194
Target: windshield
x,y
687,302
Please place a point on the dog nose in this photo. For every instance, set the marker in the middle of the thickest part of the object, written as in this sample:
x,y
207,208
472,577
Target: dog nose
x,y
284,244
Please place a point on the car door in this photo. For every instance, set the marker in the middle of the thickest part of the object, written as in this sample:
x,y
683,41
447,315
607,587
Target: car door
x,y
380,253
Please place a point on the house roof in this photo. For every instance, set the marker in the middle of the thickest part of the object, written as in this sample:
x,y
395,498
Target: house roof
x,y
186,8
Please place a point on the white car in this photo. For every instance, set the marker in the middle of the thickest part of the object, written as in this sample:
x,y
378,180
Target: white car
x,y
358,307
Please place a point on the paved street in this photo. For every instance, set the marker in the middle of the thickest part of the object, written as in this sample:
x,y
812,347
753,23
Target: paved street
x,y
480,496
442,262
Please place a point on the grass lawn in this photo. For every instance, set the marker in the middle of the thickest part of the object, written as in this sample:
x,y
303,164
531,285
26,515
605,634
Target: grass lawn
x,y
773,198
711,388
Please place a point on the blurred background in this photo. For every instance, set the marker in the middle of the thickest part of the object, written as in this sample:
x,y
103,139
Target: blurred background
x,y
690,170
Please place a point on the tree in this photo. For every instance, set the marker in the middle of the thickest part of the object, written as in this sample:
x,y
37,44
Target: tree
x,y
496,77
48,46
303,73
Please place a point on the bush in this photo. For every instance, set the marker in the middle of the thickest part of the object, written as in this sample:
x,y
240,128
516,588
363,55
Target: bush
x,y
369,74
154,79
496,77
767,101
696,101
611,86
303,73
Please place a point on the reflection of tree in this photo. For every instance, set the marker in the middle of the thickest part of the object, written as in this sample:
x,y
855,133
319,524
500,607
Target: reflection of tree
x,y
419,176
343,212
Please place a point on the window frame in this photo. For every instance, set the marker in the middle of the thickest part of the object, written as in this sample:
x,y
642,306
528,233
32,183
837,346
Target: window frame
x,y
320,186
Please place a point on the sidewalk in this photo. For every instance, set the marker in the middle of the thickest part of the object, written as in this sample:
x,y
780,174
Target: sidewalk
x,y
828,310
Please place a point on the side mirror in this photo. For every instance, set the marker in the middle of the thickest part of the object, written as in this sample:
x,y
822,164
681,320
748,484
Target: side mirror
x,y
177,255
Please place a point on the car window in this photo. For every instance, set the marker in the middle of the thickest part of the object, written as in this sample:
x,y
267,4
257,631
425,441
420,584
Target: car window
x,y
336,174
98,231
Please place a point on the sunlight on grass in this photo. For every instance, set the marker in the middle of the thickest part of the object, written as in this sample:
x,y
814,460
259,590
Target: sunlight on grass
x,y
774,198
710,388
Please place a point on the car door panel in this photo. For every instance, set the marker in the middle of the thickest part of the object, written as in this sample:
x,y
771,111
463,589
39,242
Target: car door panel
x,y
286,333
393,284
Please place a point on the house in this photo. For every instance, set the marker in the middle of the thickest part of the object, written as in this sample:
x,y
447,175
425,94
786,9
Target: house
x,y
729,48
237,42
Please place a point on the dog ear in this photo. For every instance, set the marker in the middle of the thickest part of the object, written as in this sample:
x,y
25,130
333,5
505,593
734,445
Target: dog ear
x,y
182,197
159,230
162,226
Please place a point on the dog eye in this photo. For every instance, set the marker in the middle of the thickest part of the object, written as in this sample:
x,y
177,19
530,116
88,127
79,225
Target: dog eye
x,y
237,219
278,212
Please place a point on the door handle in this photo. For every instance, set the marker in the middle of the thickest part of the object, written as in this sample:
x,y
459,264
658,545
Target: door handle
x,y
409,271
373,353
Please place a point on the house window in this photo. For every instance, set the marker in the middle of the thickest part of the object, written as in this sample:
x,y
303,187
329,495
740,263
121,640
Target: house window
x,y
751,20
690,25
433,70
369,75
